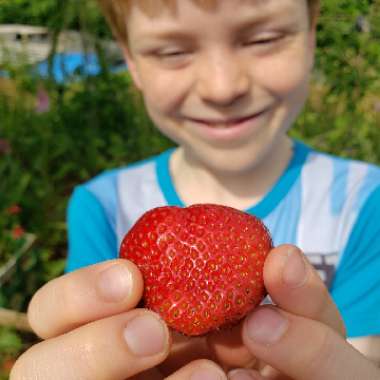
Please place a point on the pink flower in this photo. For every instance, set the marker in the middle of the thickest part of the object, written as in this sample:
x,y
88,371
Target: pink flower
x,y
43,101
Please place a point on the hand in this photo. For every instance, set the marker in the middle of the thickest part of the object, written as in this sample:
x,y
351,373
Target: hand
x,y
91,330
303,337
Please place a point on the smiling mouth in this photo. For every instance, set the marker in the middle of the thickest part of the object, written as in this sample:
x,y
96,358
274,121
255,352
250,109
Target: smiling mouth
x,y
226,123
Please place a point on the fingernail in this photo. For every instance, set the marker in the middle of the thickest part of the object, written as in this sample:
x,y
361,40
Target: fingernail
x,y
145,335
240,374
114,283
207,374
266,326
294,273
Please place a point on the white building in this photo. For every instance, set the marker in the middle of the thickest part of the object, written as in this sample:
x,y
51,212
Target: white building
x,y
30,44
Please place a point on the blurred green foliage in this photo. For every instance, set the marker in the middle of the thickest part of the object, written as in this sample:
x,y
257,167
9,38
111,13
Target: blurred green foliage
x,y
343,114
91,126
99,123
56,14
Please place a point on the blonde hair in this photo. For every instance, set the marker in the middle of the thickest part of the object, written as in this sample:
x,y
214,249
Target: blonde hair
x,y
117,11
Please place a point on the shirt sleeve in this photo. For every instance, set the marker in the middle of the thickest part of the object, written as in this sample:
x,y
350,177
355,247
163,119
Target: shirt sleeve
x,y
91,238
356,287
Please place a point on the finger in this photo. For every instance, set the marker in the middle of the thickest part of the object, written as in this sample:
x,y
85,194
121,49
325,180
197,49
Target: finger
x,y
245,374
303,349
225,348
228,350
270,373
110,349
295,286
199,370
88,294
183,350
266,373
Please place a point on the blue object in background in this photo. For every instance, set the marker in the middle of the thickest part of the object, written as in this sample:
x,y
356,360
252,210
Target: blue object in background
x,y
65,66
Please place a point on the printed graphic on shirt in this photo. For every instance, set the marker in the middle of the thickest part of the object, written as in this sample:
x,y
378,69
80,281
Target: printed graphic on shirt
x,y
325,264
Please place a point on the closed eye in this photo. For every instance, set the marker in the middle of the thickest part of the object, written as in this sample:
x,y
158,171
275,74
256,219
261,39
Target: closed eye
x,y
173,54
174,57
263,41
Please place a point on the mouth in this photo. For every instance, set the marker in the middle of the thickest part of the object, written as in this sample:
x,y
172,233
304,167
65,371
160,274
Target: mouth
x,y
228,130
226,123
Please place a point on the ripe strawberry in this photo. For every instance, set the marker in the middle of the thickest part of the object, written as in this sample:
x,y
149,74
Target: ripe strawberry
x,y
202,265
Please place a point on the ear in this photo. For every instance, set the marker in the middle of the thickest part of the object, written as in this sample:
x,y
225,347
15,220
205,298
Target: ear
x,y
132,67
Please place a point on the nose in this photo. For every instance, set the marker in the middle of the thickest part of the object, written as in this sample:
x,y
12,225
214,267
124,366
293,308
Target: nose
x,y
222,79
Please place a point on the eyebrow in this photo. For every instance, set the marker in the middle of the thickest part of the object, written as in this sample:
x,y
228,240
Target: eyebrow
x,y
255,22
175,34
170,35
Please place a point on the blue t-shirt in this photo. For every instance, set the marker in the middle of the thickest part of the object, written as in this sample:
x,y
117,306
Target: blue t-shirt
x,y
327,206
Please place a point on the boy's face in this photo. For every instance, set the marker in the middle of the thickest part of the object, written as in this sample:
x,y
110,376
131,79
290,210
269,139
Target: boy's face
x,y
226,84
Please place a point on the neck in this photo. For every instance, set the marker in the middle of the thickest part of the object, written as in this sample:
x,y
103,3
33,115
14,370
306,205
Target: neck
x,y
197,183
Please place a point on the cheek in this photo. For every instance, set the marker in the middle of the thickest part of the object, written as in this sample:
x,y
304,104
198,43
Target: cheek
x,y
285,75
162,92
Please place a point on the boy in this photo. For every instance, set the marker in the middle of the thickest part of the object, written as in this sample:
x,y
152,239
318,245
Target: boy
x,y
225,80
227,96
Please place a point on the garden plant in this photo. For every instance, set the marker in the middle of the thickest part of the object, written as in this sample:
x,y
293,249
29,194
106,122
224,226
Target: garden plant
x,y
54,136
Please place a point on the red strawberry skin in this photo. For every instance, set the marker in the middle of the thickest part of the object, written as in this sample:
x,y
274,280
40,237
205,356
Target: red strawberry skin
x,y
202,265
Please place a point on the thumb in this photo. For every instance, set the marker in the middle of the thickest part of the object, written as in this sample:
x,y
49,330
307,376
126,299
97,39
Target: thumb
x,y
303,349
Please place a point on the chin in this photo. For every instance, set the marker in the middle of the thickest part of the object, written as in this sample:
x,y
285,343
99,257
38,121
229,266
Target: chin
x,y
230,162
